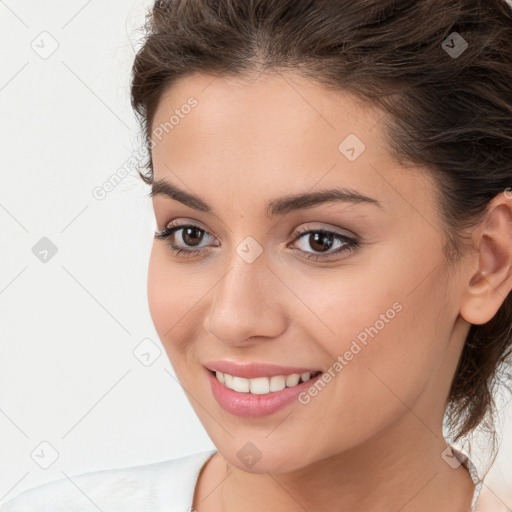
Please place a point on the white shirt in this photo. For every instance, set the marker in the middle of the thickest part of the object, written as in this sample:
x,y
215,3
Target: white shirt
x,y
166,486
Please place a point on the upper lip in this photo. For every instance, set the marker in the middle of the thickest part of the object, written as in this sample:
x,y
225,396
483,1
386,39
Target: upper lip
x,y
254,370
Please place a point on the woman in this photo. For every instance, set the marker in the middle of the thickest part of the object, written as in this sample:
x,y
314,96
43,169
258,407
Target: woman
x,y
331,272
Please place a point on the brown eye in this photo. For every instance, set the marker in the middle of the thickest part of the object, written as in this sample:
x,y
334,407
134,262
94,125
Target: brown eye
x,y
322,241
192,235
181,239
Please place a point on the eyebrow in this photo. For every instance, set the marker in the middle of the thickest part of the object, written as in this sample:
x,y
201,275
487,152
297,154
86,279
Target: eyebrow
x,y
279,206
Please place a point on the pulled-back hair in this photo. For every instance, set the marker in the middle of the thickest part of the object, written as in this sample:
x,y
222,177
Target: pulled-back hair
x,y
450,112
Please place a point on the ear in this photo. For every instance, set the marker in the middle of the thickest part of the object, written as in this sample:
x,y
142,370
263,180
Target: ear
x,y
489,275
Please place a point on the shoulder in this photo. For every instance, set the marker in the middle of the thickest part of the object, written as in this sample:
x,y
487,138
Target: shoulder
x,y
166,485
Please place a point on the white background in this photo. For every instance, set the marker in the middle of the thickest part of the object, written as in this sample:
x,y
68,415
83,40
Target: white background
x,y
69,326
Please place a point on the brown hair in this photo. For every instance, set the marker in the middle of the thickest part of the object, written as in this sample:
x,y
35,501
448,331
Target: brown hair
x,y
449,113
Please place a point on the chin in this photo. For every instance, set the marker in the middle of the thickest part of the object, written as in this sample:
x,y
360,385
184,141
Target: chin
x,y
265,457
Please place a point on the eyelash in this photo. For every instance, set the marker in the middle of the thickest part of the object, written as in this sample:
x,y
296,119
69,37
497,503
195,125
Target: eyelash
x,y
350,244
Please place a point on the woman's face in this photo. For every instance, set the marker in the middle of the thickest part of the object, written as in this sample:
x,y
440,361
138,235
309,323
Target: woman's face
x,y
378,315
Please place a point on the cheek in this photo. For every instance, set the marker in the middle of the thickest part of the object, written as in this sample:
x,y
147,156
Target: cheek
x,y
384,376
387,324
173,296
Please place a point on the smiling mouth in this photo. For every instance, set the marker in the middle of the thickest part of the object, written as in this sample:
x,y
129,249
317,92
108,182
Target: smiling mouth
x,y
263,385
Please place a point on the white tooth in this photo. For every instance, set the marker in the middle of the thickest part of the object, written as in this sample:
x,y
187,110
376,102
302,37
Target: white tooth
x,y
241,385
260,385
292,380
228,381
277,383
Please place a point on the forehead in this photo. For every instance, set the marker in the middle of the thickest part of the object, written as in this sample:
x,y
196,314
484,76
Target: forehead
x,y
267,120
268,101
278,129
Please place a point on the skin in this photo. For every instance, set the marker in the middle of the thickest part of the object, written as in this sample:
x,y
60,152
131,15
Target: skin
x,y
372,438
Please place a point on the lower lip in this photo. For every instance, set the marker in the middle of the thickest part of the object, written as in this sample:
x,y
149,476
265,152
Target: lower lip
x,y
252,405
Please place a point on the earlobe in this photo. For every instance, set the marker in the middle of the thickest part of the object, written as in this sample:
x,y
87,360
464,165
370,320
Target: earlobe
x,y
491,281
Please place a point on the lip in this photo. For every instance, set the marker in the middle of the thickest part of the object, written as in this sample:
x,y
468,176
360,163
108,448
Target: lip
x,y
250,405
254,370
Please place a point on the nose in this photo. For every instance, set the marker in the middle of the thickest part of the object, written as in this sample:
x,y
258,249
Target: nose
x,y
247,304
